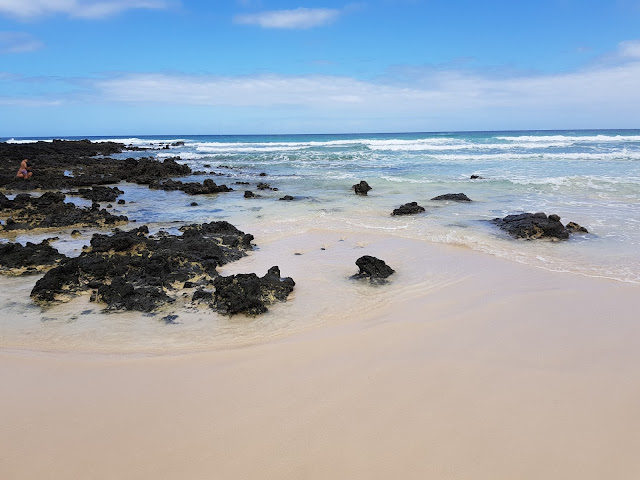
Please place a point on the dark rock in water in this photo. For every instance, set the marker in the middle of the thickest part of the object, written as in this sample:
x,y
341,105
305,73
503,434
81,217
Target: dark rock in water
x,y
575,228
287,198
99,193
132,271
76,233
170,319
263,174
454,197
533,226
179,143
50,210
190,188
408,209
249,294
194,204
250,194
264,186
202,295
241,183
476,177
373,268
16,259
121,202
361,188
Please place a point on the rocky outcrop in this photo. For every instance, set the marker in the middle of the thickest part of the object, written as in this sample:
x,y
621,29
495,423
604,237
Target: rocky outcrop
x,y
16,259
26,212
532,226
249,294
408,209
361,188
575,228
99,193
132,270
190,188
372,268
453,197
65,164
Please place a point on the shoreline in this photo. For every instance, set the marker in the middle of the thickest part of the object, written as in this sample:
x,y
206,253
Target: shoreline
x,y
509,372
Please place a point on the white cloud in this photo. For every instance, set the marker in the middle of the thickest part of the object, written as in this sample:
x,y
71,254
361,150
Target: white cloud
x,y
629,49
18,42
442,93
300,18
27,9
605,95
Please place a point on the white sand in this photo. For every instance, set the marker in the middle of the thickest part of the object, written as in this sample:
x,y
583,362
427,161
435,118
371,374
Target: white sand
x,y
496,371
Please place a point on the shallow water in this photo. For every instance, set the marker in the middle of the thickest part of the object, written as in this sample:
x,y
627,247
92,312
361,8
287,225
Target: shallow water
x,y
592,178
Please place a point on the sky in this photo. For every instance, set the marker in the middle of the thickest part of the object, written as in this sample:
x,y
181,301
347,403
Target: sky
x,y
153,67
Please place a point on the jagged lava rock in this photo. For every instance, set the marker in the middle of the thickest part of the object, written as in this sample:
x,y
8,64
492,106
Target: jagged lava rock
x,y
408,209
361,188
50,210
534,226
249,294
373,268
16,259
454,197
132,270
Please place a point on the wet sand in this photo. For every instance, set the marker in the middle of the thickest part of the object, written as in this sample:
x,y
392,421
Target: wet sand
x,y
498,371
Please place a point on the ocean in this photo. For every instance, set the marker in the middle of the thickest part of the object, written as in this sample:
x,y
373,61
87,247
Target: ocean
x,y
588,177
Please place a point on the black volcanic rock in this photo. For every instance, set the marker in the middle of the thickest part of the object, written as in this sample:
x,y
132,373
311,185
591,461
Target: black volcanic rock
x,y
65,164
361,188
534,226
454,197
190,188
408,209
247,293
26,212
99,193
372,268
287,198
17,259
131,270
575,228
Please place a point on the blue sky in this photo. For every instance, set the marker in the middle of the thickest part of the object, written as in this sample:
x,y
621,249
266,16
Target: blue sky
x,y
116,67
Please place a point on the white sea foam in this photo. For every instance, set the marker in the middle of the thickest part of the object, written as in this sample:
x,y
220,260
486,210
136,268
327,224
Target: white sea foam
x,y
571,139
13,140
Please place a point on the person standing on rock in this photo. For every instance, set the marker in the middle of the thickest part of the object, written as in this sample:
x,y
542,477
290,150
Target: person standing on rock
x,y
24,171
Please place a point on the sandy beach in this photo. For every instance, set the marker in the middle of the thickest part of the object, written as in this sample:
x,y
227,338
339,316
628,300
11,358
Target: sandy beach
x,y
509,371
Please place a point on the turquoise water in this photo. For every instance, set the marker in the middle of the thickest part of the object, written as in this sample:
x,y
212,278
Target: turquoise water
x,y
590,177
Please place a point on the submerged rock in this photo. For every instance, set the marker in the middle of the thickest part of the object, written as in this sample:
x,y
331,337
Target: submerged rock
x,y
287,198
575,228
99,193
131,270
361,188
16,259
454,197
408,209
190,188
247,293
534,226
372,268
